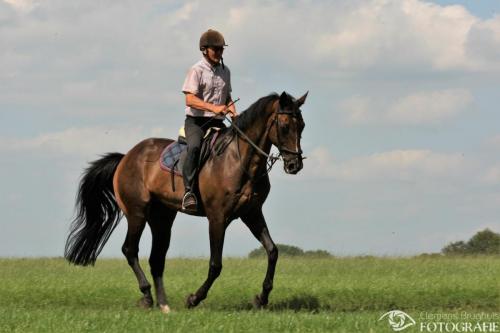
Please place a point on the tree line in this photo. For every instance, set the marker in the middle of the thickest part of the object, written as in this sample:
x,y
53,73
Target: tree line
x,y
290,251
485,242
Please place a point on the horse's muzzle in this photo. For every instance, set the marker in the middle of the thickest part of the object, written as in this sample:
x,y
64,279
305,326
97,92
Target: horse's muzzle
x,y
293,164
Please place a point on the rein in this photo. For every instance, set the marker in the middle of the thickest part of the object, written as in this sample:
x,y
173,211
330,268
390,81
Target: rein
x,y
247,139
270,158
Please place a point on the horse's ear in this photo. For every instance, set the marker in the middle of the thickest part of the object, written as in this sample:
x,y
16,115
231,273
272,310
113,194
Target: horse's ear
x,y
285,100
302,100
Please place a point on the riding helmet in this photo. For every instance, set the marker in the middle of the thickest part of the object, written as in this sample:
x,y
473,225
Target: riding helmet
x,y
211,38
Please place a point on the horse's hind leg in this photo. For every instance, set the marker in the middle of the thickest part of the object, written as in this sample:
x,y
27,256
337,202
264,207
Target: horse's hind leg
x,y
160,220
130,249
257,225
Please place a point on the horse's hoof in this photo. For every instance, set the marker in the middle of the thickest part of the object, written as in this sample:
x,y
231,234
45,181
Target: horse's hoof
x,y
145,303
191,301
165,308
257,303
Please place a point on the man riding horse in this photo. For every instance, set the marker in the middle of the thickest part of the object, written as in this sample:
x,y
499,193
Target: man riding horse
x,y
232,184
208,94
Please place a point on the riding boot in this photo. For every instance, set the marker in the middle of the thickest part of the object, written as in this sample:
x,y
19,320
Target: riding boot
x,y
189,173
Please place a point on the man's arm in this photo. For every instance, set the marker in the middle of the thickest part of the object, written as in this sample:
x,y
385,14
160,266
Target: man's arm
x,y
197,103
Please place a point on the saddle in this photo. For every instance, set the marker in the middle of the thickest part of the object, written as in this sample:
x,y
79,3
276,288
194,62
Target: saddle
x,y
173,156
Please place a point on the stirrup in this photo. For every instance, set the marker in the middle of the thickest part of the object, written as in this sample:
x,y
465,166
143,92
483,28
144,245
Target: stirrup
x,y
190,202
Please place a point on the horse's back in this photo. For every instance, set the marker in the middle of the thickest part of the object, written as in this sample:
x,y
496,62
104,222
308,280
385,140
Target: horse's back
x,y
139,171
150,148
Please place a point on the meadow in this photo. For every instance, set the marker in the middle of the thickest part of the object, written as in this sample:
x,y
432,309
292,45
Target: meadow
x,y
310,295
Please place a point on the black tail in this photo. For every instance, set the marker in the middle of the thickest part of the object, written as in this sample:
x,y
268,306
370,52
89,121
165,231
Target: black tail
x,y
97,213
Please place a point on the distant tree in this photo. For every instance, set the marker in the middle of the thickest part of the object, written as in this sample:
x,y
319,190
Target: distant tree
x,y
283,250
483,242
318,254
459,247
290,251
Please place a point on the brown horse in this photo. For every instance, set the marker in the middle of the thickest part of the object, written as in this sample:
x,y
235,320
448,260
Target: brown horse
x,y
232,184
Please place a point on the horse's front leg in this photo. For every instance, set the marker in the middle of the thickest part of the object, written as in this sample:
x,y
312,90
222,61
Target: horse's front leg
x,y
257,224
217,229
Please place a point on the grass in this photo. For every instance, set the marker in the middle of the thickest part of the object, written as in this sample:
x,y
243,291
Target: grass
x,y
310,295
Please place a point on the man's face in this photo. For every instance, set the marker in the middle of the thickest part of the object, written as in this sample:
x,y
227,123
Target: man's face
x,y
214,54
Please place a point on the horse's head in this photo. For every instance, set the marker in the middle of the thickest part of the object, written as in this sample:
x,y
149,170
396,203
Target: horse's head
x,y
286,131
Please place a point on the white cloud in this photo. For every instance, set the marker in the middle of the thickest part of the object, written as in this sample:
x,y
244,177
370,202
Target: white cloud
x,y
121,55
409,33
319,163
420,108
483,43
429,107
85,141
22,5
395,165
358,109
492,175
493,142
356,35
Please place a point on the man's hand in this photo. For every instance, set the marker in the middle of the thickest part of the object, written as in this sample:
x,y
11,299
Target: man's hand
x,y
232,111
194,102
218,108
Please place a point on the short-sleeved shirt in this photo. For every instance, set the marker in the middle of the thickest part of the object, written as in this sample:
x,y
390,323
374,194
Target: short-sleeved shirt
x,y
211,84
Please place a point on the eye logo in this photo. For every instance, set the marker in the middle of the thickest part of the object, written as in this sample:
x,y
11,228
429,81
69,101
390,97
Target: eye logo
x,y
398,320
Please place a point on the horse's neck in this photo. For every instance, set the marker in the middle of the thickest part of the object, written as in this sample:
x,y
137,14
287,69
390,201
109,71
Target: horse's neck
x,y
252,160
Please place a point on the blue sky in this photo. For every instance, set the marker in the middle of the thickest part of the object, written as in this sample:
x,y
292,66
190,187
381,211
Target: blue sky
x,y
402,124
481,8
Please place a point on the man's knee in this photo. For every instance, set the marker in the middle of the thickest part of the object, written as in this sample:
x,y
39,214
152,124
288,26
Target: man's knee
x,y
193,152
194,143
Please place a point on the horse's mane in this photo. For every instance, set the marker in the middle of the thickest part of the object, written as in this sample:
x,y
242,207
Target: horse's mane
x,y
254,111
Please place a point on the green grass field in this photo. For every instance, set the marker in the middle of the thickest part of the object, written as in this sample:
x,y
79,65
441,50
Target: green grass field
x,y
310,295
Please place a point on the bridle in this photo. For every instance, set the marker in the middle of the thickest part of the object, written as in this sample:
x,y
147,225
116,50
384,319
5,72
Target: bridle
x,y
271,158
294,114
